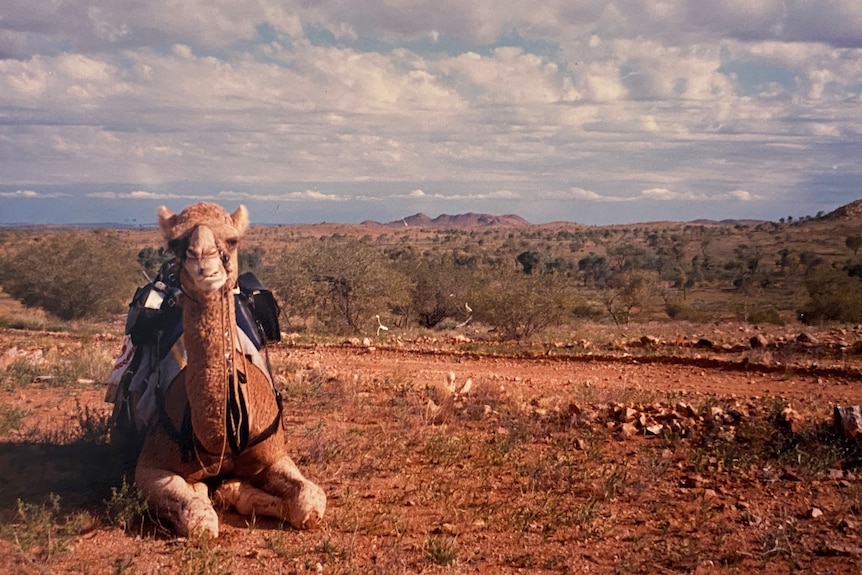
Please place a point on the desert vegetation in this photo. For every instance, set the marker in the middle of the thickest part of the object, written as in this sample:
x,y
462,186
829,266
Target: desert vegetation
x,y
549,399
516,281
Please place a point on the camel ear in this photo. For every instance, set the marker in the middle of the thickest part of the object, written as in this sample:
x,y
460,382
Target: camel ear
x,y
167,220
240,219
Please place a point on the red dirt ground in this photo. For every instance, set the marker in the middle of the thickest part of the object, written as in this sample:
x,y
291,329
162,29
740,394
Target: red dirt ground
x,y
505,483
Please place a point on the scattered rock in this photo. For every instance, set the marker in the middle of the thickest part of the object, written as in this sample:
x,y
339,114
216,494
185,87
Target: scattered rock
x,y
848,421
694,481
790,421
840,549
649,340
836,474
805,337
790,475
758,341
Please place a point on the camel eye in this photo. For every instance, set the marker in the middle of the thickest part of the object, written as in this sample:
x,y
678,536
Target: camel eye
x,y
231,242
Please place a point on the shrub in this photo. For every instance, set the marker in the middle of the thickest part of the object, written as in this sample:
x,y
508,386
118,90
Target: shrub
x,y
343,284
519,305
765,315
832,296
627,291
588,311
72,276
683,311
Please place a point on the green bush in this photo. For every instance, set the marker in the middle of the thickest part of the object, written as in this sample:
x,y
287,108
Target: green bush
x,y
588,311
519,305
341,284
765,315
832,296
72,276
682,311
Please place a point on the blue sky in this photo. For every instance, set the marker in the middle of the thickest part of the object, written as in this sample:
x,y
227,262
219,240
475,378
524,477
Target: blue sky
x,y
597,112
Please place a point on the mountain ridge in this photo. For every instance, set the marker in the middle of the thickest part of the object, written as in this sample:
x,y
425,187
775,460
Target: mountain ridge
x,y
469,219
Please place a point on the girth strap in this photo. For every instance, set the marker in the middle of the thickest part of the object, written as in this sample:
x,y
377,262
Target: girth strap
x,y
236,413
184,436
237,423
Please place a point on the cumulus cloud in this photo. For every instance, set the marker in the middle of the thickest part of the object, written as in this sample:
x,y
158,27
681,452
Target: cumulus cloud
x,y
669,102
31,194
477,195
581,194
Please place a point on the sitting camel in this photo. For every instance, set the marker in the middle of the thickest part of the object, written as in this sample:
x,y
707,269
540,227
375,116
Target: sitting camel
x,y
218,425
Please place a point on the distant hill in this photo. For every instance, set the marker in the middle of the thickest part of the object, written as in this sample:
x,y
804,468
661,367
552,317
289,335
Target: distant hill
x,y
853,210
728,222
471,219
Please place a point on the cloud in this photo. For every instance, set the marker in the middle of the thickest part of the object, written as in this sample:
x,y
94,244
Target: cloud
x,y
581,194
669,102
741,195
663,194
136,195
651,194
31,194
474,196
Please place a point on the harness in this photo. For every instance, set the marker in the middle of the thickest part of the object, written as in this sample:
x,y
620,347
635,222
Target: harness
x,y
236,424
156,321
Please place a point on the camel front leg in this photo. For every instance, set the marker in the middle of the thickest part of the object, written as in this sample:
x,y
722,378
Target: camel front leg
x,y
185,505
281,492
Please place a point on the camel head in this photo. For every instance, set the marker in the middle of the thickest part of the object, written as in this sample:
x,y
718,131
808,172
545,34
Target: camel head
x,y
205,238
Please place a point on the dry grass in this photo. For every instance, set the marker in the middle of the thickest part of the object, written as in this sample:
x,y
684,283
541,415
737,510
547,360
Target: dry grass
x,y
498,479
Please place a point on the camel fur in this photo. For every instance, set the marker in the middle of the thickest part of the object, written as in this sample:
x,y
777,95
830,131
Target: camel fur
x,y
260,479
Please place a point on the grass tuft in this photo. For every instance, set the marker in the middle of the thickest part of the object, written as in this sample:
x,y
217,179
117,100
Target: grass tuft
x,y
41,532
126,508
440,550
11,418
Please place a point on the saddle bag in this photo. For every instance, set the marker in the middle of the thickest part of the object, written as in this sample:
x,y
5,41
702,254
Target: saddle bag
x,y
145,318
151,304
262,305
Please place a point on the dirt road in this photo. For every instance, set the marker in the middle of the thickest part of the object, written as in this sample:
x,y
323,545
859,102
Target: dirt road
x,y
547,376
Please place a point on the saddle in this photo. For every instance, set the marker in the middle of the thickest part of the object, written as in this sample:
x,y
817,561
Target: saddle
x,y
153,354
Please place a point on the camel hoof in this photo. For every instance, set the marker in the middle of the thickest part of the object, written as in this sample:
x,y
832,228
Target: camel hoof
x,y
199,519
310,507
311,521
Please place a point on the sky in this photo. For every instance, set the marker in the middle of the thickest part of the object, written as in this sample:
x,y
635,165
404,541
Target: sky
x,y
596,112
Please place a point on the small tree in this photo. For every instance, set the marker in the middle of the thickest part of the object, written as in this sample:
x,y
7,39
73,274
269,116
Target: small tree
x,y
529,260
72,275
853,243
628,290
440,291
519,306
344,284
151,259
832,296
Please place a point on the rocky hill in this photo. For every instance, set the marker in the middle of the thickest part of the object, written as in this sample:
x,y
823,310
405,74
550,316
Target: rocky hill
x,y
853,210
457,221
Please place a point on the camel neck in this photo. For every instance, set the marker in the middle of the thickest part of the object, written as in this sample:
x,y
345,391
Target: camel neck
x,y
209,329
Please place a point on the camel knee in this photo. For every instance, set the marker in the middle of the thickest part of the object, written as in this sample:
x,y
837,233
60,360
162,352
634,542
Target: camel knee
x,y
246,499
307,507
185,506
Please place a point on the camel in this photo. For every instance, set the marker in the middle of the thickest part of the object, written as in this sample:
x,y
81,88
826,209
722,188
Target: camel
x,y
218,425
